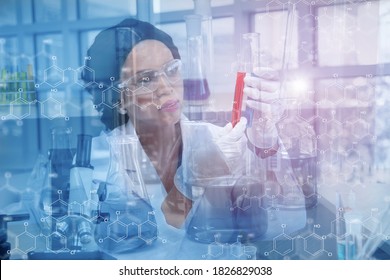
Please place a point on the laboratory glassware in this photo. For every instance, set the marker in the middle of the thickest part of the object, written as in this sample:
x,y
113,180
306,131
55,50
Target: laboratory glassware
x,y
128,220
371,244
248,59
298,185
226,205
349,226
196,87
203,8
297,174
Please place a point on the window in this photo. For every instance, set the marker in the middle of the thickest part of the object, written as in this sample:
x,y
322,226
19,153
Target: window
x,y
50,59
47,11
349,34
8,13
171,6
160,6
224,61
90,9
274,41
177,31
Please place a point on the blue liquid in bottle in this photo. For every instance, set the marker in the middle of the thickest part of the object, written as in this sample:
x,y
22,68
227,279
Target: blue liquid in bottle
x,y
346,249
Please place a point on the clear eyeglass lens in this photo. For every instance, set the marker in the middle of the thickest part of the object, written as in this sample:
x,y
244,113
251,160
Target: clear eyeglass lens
x,y
149,79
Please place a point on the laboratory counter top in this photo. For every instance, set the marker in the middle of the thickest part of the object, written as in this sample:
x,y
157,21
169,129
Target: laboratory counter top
x,y
291,234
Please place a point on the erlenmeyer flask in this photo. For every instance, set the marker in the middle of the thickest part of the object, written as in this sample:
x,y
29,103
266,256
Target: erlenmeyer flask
x,y
226,204
196,88
129,218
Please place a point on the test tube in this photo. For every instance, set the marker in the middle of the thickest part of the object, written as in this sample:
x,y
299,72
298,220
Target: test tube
x,y
287,46
249,58
238,97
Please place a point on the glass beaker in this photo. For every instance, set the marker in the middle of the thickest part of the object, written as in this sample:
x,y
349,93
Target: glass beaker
x,y
129,220
299,187
226,204
228,207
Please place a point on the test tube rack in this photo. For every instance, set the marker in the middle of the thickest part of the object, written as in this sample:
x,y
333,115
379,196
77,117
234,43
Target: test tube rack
x,y
17,87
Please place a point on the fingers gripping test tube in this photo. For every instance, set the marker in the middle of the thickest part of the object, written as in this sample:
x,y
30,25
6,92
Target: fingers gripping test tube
x,y
249,58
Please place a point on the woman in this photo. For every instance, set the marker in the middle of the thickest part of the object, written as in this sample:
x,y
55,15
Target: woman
x,y
137,86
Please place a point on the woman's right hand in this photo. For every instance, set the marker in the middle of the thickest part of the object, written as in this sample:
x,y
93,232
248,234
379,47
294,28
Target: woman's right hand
x,y
263,92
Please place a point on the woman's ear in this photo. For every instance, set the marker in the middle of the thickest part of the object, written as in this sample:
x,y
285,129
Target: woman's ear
x,y
121,108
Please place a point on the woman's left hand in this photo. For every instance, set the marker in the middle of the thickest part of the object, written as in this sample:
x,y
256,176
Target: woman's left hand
x,y
232,142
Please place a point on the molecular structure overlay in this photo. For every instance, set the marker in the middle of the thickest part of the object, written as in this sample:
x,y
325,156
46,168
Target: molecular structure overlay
x,y
342,125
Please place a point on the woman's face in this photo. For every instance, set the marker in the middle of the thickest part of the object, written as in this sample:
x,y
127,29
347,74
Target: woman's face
x,y
152,84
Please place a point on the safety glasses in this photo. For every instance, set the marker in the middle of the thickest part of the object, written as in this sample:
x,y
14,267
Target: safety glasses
x,y
147,81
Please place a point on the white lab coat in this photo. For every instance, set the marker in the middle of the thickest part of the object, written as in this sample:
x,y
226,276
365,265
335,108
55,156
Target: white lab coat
x,y
168,237
196,143
173,238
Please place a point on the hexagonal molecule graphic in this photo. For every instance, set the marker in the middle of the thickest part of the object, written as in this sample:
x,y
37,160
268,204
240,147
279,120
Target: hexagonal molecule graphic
x,y
53,76
283,244
56,242
237,248
111,97
372,227
81,71
337,227
215,249
314,244
147,231
51,108
20,108
25,242
243,202
117,230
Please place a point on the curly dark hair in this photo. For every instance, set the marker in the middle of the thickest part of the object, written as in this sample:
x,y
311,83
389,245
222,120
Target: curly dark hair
x,y
105,58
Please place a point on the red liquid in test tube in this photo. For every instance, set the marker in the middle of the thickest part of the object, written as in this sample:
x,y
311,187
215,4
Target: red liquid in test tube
x,y
238,96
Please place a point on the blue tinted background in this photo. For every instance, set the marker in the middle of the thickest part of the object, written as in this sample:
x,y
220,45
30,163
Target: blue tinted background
x,y
339,61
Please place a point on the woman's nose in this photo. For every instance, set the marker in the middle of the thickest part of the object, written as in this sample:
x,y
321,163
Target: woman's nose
x,y
163,86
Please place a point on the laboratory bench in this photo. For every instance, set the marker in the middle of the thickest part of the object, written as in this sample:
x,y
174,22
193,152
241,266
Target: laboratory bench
x,y
300,233
291,234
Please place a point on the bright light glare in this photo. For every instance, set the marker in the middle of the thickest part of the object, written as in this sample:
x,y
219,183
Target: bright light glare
x,y
300,85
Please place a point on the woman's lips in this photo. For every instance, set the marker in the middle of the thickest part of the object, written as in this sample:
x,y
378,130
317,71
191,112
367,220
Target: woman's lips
x,y
170,106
